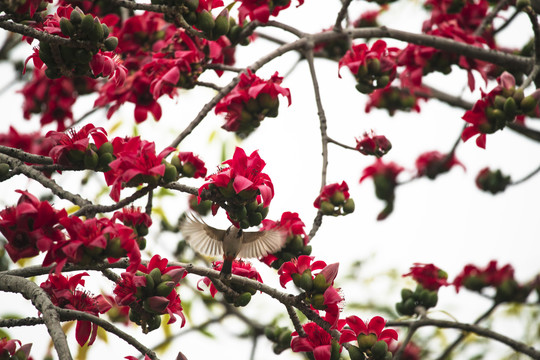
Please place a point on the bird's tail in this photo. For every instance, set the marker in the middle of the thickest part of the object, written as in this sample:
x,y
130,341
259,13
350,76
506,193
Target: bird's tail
x,y
226,267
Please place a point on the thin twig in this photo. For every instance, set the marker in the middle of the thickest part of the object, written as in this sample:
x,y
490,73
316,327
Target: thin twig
x,y
517,182
460,338
489,17
342,14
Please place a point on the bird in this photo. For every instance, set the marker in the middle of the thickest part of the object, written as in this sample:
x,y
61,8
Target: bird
x,y
231,243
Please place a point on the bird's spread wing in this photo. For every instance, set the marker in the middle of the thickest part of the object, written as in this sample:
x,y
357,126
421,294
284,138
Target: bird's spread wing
x,y
202,237
261,243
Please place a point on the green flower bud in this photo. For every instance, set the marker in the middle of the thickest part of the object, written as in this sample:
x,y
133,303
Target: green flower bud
x,y
75,17
53,72
45,53
156,275
526,105
104,161
67,27
327,208
364,88
379,350
406,293
106,147
296,244
97,33
317,301
499,101
383,81
87,24
170,174
355,353
510,107
408,306
337,198
106,31
365,342
111,43
243,299
222,23
153,323
165,288
192,4
348,207
205,21
319,284
244,223
255,218
150,284
374,66
134,316
431,300
518,95
91,159
271,333
266,101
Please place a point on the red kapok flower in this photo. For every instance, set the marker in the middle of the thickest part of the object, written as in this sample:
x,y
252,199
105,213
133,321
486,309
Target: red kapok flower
x,y
296,242
429,276
475,278
298,266
434,163
30,227
334,199
189,165
385,180
64,293
373,331
250,102
8,349
373,68
371,144
33,143
242,181
72,145
96,239
136,162
317,341
262,9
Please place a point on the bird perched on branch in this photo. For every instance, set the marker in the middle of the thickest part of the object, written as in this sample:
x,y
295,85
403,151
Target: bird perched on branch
x,y
230,243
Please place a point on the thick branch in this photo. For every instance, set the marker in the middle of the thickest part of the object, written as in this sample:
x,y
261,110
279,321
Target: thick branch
x,y
42,302
68,314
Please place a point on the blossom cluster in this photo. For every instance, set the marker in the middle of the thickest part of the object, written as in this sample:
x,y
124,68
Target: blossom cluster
x,y
243,187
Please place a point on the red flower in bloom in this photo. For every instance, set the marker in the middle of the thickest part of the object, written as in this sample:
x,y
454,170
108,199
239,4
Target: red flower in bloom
x,y
329,191
298,266
317,341
475,278
243,177
429,276
434,163
136,162
191,165
392,99
160,297
250,102
358,328
96,239
30,227
132,217
32,143
108,64
8,349
488,114
74,141
136,89
64,293
53,99
239,267
296,241
420,60
262,9
411,351
373,68
385,180
371,144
